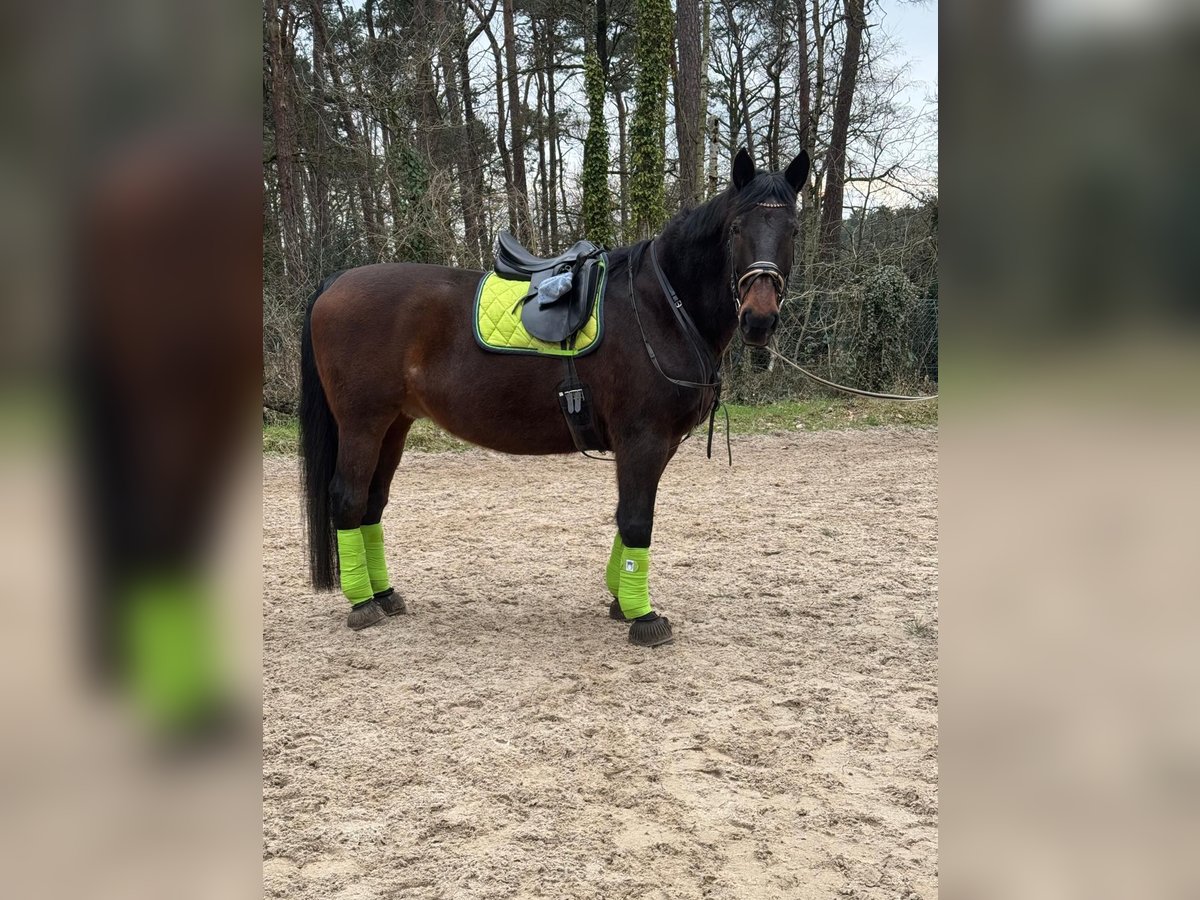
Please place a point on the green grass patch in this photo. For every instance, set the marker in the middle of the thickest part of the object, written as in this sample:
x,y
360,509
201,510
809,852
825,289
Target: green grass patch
x,y
283,436
820,414
824,413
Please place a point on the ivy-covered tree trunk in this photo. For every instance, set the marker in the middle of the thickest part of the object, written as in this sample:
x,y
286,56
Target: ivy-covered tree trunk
x,y
709,187
655,31
597,206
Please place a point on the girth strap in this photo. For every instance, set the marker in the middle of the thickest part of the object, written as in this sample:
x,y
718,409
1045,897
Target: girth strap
x,y
575,400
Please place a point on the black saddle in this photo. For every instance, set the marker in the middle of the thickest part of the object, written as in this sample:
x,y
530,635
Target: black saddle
x,y
554,320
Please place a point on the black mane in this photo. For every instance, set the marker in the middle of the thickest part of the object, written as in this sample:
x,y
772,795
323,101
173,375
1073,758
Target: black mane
x,y
701,224
692,249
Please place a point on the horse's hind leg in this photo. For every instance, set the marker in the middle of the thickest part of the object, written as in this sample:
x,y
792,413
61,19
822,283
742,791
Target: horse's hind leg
x,y
372,528
359,445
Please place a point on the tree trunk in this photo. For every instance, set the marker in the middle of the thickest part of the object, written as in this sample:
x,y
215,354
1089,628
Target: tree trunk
x,y
739,96
811,226
804,78
623,161
602,36
804,84
689,128
596,204
471,148
371,227
539,131
654,40
506,161
705,53
520,185
285,143
468,198
835,168
775,75
319,165
714,130
387,124
552,127
744,98
560,180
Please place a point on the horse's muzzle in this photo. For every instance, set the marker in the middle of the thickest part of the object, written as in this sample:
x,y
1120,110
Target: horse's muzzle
x,y
757,329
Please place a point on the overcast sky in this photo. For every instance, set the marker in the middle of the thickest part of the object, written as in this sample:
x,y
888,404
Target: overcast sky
x,y
914,27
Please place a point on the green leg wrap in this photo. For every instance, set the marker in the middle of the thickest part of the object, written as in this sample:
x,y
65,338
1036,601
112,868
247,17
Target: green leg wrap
x,y
635,582
352,562
376,561
612,575
169,650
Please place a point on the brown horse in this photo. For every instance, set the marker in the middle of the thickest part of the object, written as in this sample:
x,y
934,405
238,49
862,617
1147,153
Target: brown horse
x,y
387,344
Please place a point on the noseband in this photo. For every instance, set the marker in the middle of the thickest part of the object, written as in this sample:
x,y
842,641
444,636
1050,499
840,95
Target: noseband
x,y
761,268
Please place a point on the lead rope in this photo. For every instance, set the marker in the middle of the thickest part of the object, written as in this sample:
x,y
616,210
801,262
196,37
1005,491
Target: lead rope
x,y
875,395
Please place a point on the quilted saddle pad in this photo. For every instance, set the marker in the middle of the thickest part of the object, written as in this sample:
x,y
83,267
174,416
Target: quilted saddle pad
x,y
498,325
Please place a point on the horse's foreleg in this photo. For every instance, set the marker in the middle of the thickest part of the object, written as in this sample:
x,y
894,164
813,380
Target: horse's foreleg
x,y
639,467
372,528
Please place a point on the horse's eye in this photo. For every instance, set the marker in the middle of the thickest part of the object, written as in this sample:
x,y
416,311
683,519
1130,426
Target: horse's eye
x,y
736,228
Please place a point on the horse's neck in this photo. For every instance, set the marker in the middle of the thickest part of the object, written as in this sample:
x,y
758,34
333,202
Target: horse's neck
x,y
701,279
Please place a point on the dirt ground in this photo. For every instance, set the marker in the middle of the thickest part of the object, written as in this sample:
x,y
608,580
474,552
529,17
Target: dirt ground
x,y
504,740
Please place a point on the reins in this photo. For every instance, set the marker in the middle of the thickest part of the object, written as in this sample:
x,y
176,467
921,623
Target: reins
x,y
710,368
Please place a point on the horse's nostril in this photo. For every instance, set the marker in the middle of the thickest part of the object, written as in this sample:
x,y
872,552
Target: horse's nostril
x,y
757,322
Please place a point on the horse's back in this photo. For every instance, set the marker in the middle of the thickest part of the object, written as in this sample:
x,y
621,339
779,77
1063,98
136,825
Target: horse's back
x,y
393,284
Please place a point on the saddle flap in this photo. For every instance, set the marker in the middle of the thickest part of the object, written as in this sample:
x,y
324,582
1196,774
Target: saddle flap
x,y
549,322
557,319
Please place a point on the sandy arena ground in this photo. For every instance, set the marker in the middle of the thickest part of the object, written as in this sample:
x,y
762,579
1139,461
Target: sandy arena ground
x,y
504,740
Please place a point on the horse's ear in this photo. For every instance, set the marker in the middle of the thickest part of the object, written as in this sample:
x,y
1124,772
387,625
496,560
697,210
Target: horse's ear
x,y
743,169
797,171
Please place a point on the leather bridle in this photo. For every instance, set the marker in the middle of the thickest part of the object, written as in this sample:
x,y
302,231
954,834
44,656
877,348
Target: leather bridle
x,y
760,268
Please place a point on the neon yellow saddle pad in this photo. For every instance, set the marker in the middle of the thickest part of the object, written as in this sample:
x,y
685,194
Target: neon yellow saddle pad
x,y
498,320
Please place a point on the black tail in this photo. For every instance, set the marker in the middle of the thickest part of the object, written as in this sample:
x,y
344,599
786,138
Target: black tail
x,y
318,455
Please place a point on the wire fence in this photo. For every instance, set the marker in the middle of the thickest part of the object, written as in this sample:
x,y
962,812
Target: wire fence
x,y
873,332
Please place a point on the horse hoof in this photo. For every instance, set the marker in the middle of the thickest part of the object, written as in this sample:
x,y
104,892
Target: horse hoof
x,y
391,603
364,615
614,611
652,633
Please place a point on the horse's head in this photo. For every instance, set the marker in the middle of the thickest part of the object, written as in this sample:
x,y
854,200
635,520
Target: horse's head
x,y
761,235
